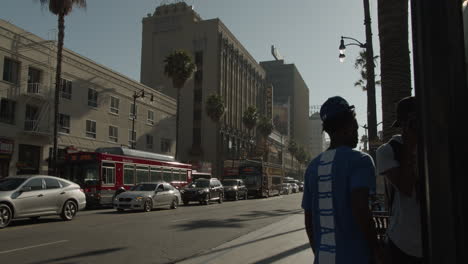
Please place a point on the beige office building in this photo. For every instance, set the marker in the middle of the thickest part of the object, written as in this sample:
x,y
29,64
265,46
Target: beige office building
x,y
224,67
95,105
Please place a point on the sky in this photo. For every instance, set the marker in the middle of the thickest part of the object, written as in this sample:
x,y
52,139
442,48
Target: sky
x,y
306,33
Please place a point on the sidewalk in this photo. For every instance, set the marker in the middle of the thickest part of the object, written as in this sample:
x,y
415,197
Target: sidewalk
x,y
282,242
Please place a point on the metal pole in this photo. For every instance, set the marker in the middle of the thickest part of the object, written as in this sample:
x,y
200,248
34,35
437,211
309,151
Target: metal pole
x,y
133,119
371,104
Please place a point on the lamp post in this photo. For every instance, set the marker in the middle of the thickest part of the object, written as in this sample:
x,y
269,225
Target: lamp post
x,y
371,104
136,95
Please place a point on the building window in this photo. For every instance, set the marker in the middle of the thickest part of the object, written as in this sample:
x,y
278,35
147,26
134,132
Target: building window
x,y
31,118
150,119
165,145
149,141
114,106
66,89
113,133
133,111
131,138
92,97
34,80
64,123
90,129
7,111
11,70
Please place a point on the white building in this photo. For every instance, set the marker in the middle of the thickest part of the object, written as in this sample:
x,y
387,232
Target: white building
x,y
95,105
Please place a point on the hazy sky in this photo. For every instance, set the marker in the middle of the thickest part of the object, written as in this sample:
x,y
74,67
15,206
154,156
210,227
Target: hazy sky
x,y
306,32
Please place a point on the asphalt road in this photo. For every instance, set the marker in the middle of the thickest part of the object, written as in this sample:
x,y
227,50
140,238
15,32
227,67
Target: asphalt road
x,y
160,236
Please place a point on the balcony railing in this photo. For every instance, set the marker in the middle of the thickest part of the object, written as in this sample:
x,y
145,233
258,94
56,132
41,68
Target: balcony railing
x,y
34,88
30,125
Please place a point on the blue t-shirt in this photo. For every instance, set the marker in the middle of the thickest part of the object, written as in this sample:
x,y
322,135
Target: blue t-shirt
x,y
328,183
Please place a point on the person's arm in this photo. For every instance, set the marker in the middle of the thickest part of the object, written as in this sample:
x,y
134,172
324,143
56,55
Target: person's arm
x,y
309,226
363,217
402,174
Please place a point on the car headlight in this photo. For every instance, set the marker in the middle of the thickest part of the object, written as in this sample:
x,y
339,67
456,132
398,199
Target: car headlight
x,y
235,187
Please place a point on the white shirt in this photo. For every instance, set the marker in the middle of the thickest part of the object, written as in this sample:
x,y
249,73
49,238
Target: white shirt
x,y
405,224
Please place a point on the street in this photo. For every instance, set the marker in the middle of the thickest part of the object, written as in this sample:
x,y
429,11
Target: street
x,y
161,236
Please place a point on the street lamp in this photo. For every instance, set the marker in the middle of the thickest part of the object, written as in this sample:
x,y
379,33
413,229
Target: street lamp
x,y
136,95
371,104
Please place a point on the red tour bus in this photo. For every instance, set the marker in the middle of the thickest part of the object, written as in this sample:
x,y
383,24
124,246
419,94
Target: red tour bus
x,y
102,172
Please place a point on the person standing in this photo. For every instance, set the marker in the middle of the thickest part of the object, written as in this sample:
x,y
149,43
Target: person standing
x,y
396,161
336,193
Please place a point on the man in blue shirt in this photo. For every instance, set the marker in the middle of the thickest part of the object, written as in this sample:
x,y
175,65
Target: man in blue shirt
x,y
336,193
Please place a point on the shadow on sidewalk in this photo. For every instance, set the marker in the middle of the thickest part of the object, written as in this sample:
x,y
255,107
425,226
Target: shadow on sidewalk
x,y
284,254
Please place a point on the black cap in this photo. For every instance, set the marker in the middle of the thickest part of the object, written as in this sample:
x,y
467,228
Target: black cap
x,y
405,107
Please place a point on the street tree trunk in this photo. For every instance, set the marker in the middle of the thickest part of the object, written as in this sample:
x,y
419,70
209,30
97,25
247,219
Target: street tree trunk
x,y
394,58
58,75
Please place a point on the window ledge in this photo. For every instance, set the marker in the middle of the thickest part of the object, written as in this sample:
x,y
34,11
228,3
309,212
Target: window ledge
x,y
112,113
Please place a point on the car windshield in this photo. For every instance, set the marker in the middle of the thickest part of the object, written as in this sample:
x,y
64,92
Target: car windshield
x,y
9,184
144,187
230,183
200,184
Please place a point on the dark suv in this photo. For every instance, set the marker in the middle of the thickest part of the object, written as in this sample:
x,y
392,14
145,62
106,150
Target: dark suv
x,y
235,189
203,191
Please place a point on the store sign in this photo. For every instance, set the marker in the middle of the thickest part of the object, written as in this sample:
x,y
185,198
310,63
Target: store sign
x,y
6,146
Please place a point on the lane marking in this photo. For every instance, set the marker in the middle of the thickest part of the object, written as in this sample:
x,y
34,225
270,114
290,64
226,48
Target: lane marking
x,y
180,220
35,246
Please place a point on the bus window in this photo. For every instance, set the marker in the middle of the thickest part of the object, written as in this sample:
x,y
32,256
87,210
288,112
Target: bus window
x,y
167,175
108,173
155,174
176,175
142,174
129,174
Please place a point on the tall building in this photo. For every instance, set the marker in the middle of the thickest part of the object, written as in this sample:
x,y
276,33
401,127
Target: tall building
x,y
316,136
96,106
290,88
224,67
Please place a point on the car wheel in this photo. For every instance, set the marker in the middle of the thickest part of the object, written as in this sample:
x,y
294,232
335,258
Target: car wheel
x,y
5,215
208,198
69,210
246,196
220,200
148,206
174,203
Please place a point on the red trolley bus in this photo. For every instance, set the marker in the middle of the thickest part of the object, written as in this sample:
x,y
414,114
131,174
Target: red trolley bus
x,y
101,172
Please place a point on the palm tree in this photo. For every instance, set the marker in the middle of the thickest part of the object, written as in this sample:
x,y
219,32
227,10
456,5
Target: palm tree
x,y
60,8
292,148
265,128
395,61
215,110
361,65
249,119
179,67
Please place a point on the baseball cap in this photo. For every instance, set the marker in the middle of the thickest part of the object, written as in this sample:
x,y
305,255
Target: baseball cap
x,y
333,107
405,107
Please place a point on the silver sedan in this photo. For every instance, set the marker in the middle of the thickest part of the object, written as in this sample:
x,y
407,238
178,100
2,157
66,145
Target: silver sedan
x,y
147,196
39,195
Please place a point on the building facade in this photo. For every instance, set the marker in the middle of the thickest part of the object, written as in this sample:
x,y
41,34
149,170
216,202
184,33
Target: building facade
x,y
224,67
316,136
290,89
96,106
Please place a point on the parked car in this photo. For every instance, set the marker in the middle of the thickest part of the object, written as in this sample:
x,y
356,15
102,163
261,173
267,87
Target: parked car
x,y
203,191
286,188
301,186
148,195
235,189
34,196
295,187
